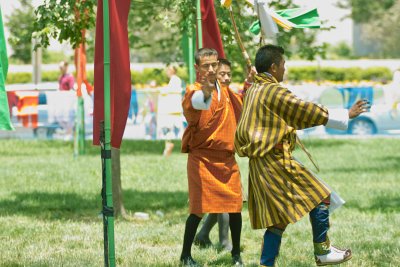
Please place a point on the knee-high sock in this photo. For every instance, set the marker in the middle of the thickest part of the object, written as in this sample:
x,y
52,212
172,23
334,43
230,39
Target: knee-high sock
x,y
271,245
235,223
208,224
319,218
223,228
192,223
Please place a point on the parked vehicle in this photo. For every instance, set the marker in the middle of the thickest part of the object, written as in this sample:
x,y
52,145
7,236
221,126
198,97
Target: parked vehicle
x,y
382,117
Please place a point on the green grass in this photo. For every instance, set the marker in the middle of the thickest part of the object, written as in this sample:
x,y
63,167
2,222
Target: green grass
x,y
49,206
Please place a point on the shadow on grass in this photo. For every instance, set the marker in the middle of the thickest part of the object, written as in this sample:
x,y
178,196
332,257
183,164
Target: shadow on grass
x,y
51,206
71,206
385,204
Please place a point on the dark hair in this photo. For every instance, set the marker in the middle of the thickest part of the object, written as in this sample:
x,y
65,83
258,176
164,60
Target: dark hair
x,y
224,61
266,55
204,52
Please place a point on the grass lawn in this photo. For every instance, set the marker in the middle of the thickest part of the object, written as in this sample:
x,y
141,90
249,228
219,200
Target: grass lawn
x,y
49,206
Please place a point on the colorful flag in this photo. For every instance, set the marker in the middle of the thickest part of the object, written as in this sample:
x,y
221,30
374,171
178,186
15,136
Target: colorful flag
x,y
287,19
5,122
298,17
120,76
210,28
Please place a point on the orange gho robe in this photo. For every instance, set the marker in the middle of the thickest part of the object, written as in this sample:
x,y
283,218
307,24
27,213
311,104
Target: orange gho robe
x,y
213,174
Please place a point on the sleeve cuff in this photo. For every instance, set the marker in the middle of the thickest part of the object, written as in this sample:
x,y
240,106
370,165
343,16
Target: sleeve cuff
x,y
338,119
198,101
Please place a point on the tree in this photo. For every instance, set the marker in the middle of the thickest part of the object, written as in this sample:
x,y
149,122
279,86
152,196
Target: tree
x,y
379,29
63,24
20,26
363,11
378,18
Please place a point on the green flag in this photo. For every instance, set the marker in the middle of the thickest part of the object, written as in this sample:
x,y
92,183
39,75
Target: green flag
x,y
287,19
5,123
301,17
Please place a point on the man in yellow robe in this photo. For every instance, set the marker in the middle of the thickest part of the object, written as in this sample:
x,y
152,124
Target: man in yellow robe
x,y
212,112
281,189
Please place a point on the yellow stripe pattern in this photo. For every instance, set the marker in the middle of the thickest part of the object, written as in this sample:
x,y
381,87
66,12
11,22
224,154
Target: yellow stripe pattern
x,y
281,190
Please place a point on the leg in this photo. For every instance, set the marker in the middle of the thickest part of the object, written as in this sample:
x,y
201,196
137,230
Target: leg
x,y
325,253
203,237
192,223
235,224
271,244
223,231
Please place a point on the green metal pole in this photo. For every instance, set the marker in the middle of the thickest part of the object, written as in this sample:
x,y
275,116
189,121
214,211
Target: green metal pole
x,y
199,25
79,134
190,56
107,129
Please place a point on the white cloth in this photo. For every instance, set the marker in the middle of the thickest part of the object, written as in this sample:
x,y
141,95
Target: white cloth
x,y
61,106
335,200
269,29
174,85
169,109
198,99
338,119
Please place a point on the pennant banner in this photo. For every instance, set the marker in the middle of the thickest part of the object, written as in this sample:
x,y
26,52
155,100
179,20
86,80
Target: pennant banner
x,y
211,33
120,75
5,122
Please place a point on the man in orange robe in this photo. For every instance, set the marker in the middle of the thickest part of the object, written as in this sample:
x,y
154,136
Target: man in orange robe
x,y
212,112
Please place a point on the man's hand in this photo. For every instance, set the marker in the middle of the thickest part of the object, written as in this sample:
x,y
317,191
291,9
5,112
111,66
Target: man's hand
x,y
250,74
207,87
359,107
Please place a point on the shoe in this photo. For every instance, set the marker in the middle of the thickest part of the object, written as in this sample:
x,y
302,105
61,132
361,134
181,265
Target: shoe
x,y
237,260
202,243
188,261
335,256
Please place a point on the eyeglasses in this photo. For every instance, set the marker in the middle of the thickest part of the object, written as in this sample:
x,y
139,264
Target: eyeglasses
x,y
206,66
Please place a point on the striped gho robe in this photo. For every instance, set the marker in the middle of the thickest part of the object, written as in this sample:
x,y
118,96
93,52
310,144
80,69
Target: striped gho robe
x,y
281,190
213,174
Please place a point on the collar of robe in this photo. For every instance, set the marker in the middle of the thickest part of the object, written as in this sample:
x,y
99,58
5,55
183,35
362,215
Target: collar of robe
x,y
265,77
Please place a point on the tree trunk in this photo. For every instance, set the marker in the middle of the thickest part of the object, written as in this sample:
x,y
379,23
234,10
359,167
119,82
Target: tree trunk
x,y
118,203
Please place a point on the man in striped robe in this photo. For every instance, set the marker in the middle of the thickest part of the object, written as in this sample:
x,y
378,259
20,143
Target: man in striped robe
x,y
212,111
282,190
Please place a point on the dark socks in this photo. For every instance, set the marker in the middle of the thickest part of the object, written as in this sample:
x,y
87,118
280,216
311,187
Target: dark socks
x,y
235,224
319,218
192,223
271,246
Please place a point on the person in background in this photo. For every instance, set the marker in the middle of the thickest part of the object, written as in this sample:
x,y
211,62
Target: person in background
x,y
66,83
170,109
133,107
66,80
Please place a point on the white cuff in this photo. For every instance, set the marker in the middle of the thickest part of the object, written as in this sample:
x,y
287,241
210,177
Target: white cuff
x,y
198,101
338,119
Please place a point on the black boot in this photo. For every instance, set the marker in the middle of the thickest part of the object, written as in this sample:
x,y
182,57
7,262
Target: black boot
x,y
237,260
